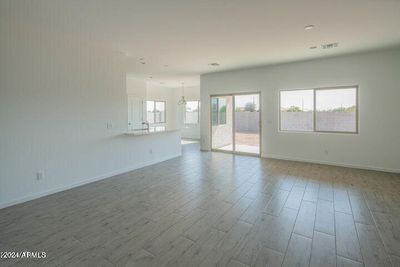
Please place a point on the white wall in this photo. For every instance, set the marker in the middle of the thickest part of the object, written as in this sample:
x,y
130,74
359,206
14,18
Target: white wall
x,y
191,131
57,95
377,146
136,87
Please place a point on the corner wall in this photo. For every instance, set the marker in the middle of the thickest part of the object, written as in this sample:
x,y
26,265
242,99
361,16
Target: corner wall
x,y
63,109
377,146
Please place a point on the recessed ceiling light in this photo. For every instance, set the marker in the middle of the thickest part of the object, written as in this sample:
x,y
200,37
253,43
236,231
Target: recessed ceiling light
x,y
143,62
313,47
214,64
141,59
309,27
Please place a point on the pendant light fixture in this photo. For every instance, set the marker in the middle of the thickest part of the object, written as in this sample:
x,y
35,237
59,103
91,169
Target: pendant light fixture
x,y
182,101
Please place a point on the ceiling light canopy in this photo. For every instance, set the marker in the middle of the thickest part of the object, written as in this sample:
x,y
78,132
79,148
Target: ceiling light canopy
x,y
182,101
309,27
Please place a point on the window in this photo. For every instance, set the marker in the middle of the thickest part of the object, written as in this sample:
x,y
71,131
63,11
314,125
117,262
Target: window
x,y
160,112
155,111
336,110
297,110
319,110
214,111
192,112
218,106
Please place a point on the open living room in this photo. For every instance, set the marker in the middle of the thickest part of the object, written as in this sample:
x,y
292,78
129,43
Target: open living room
x,y
199,133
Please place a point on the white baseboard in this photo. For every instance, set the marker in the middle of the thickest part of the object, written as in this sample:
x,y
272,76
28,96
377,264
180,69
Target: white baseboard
x,y
85,181
339,164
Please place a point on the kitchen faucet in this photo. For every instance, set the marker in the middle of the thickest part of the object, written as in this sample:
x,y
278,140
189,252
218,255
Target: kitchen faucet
x,y
147,124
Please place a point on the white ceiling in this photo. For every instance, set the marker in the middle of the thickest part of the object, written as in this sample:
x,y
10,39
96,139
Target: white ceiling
x,y
187,35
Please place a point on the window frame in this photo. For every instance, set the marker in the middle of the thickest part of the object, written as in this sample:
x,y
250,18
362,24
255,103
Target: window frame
x,y
154,111
314,130
198,113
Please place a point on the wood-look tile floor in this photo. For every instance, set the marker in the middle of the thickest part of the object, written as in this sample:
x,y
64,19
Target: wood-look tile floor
x,y
214,209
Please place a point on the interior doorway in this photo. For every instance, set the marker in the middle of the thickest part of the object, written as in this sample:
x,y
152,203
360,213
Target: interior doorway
x,y
236,123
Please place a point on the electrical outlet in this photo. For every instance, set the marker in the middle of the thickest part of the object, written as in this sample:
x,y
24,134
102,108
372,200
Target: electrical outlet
x,y
39,176
326,151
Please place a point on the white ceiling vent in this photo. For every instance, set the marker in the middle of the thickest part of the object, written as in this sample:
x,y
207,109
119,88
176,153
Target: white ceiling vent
x,y
329,46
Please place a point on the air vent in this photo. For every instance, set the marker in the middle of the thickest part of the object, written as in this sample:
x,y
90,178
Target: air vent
x,y
329,46
309,27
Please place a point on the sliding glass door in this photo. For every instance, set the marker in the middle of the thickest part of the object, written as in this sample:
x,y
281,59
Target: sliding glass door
x,y
247,123
222,122
235,123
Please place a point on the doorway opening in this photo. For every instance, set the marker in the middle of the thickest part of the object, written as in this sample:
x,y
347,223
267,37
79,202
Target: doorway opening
x,y
236,123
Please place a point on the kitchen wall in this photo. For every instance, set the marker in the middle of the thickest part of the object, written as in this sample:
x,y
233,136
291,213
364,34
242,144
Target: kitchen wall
x,y
377,145
63,110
